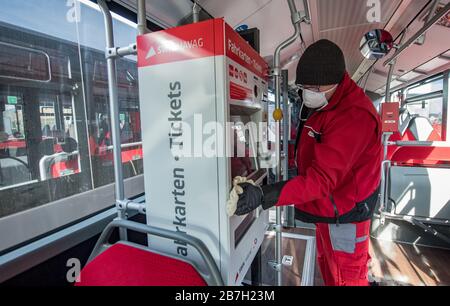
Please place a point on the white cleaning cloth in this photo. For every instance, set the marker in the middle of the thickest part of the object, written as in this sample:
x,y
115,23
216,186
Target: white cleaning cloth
x,y
234,194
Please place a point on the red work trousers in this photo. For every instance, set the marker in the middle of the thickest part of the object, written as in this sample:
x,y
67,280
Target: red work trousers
x,y
343,253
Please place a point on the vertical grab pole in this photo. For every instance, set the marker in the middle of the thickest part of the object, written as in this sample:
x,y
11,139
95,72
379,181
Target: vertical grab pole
x,y
387,95
196,9
142,17
114,113
286,134
385,139
385,164
289,210
428,25
392,64
297,18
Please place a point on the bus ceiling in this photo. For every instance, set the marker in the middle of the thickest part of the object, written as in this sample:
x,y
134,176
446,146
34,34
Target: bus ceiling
x,y
343,21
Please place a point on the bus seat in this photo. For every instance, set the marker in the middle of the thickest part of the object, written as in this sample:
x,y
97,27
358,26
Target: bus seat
x,y
65,165
416,128
421,128
129,155
405,119
406,136
129,264
421,156
123,265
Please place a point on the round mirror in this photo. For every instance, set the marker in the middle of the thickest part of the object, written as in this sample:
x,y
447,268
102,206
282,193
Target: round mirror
x,y
376,44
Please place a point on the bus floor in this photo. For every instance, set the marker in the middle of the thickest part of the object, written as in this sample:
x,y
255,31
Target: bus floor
x,y
295,244
392,264
408,265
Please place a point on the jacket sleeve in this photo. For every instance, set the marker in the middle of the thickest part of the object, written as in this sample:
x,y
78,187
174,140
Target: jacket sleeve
x,y
343,140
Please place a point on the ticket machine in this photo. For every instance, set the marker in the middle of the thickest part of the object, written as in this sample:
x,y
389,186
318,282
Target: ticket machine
x,y
201,86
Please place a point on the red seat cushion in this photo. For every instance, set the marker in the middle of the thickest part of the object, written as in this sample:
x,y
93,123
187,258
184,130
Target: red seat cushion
x,y
416,156
123,265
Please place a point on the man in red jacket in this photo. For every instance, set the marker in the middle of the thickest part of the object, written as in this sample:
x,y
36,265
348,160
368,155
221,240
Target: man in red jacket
x,y
339,160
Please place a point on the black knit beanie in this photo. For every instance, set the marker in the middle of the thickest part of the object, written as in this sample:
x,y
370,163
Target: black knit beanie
x,y
322,63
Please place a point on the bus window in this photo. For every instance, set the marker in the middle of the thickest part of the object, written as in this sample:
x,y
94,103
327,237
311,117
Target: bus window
x,y
432,110
13,121
44,156
13,159
97,98
424,103
433,85
55,129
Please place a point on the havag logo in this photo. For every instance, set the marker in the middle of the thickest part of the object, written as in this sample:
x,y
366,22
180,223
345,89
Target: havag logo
x,y
151,53
173,46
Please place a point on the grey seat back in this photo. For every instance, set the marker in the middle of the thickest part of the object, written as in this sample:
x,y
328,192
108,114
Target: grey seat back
x,y
421,128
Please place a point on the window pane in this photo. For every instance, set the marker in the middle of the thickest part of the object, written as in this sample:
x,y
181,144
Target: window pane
x,y
428,87
428,117
44,152
93,44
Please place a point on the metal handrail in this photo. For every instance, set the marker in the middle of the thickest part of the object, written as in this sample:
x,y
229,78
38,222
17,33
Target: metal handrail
x,y
427,96
44,163
214,277
297,18
392,64
422,31
196,9
411,143
403,217
385,166
289,212
421,223
434,6
127,145
142,17
122,224
114,109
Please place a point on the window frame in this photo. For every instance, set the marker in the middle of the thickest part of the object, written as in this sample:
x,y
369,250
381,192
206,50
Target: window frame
x,y
444,94
31,50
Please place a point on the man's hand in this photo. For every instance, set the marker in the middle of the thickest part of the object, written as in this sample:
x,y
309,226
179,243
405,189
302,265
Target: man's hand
x,y
251,198
246,196
238,203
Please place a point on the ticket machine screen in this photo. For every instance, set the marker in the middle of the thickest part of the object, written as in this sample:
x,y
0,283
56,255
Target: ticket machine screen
x,y
244,161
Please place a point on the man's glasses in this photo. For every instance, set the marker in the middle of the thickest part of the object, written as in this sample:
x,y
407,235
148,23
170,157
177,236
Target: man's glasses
x,y
312,88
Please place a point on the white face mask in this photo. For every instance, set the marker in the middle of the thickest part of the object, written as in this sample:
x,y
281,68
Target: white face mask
x,y
314,99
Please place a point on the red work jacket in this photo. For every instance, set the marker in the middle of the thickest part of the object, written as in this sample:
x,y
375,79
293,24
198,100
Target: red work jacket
x,y
339,155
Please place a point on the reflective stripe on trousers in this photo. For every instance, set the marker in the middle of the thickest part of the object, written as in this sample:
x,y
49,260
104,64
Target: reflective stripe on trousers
x,y
343,237
343,253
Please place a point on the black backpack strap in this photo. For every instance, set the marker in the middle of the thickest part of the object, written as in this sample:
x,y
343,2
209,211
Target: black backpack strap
x,y
300,128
